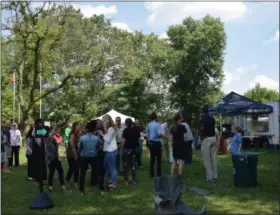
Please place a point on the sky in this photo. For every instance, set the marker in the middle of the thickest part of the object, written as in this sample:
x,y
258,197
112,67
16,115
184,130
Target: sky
x,y
252,28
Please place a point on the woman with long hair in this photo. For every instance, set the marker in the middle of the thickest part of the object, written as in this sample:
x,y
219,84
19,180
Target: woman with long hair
x,y
179,137
73,155
101,154
110,149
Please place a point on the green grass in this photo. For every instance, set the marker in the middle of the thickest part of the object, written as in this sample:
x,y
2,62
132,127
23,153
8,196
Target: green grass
x,y
224,199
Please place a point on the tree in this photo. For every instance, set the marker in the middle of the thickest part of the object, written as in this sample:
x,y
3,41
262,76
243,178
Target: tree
x,y
196,64
89,67
48,41
262,94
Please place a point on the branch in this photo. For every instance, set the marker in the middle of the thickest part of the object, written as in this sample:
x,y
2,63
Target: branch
x,y
64,82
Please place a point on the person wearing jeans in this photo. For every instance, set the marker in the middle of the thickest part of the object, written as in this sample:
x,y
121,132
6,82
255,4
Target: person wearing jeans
x,y
111,150
88,148
154,134
209,145
16,143
110,163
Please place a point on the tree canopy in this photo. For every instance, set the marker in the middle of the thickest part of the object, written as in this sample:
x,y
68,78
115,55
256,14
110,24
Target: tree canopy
x,y
88,66
262,94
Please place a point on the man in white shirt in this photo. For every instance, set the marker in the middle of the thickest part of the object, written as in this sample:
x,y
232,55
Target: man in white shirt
x,y
16,143
120,129
189,142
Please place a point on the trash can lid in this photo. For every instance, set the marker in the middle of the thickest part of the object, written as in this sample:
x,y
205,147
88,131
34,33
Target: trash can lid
x,y
244,153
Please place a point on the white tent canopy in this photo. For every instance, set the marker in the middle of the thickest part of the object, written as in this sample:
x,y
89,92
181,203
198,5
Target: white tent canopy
x,y
115,114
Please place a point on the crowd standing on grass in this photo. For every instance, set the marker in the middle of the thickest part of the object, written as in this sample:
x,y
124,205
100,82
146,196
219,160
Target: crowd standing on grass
x,y
110,148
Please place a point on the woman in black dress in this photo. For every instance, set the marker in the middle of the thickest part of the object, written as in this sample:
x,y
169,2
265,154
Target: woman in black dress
x,y
179,136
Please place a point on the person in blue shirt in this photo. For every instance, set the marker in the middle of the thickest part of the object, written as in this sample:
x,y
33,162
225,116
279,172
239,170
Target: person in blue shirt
x,y
236,142
89,147
154,133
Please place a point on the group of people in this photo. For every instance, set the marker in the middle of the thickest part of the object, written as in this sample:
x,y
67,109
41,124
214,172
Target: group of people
x,y
11,141
110,148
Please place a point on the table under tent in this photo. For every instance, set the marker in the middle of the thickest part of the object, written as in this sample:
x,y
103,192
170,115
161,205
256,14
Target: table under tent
x,y
240,110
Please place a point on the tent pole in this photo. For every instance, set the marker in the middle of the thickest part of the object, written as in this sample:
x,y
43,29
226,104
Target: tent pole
x,y
221,124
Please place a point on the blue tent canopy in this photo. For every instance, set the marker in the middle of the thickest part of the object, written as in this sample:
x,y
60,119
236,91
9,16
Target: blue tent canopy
x,y
235,104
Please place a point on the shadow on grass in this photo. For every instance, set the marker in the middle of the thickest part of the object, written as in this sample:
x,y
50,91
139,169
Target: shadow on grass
x,y
224,199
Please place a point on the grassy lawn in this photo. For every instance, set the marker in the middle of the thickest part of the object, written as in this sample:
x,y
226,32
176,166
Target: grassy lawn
x,y
225,199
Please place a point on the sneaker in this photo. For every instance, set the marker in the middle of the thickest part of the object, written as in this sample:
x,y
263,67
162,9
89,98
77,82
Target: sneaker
x,y
30,179
134,182
50,188
112,187
125,183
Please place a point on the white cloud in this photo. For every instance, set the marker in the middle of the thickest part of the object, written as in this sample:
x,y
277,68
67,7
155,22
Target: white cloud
x,y
227,78
230,77
266,82
240,70
89,10
121,26
254,67
233,80
163,36
177,11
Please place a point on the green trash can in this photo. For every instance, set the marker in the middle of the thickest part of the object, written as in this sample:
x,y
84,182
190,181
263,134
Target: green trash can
x,y
245,168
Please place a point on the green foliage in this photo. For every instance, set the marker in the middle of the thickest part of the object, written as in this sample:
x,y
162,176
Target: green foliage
x,y
88,67
262,94
199,47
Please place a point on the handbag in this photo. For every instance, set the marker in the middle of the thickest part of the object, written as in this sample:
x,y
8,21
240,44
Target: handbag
x,y
58,139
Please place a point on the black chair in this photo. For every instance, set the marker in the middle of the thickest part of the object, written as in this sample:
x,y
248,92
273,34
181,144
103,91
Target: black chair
x,y
167,196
